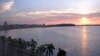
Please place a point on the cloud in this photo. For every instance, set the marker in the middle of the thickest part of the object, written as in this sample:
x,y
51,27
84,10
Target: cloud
x,y
43,17
47,14
48,17
6,5
52,15
94,15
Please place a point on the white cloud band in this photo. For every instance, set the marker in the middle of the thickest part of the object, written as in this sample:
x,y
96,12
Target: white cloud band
x,y
6,6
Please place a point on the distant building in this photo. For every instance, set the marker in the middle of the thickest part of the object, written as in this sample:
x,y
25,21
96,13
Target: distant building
x,y
5,23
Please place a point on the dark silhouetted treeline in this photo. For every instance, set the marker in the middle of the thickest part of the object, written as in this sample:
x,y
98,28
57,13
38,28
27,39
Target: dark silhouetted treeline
x,y
19,47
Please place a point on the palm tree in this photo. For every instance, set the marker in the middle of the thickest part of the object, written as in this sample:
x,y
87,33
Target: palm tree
x,y
49,50
9,39
20,43
13,42
25,45
33,44
41,50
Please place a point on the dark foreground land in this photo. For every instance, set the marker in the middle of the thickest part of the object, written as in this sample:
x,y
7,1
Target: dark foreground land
x,y
20,47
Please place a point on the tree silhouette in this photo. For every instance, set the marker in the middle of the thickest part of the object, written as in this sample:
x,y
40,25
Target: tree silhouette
x,y
14,42
30,46
20,43
61,52
49,50
41,50
33,44
9,40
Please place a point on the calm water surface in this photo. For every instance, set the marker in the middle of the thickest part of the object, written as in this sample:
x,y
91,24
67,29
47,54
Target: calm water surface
x,y
77,41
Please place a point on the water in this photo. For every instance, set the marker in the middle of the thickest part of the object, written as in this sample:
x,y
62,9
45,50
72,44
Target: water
x,y
77,41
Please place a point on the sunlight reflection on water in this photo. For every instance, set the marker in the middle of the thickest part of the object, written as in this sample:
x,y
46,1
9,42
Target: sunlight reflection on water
x,y
84,51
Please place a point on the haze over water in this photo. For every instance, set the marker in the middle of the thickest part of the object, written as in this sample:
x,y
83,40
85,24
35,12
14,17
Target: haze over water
x,y
77,41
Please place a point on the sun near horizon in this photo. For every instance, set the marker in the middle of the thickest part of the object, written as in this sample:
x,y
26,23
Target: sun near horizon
x,y
84,21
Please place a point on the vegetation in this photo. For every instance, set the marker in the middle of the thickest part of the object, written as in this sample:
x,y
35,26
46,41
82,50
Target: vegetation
x,y
61,52
30,46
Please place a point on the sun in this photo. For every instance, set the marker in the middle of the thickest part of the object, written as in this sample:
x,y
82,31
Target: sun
x,y
84,21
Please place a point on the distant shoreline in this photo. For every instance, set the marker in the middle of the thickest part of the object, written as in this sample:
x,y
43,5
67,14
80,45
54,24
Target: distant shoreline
x,y
87,25
22,26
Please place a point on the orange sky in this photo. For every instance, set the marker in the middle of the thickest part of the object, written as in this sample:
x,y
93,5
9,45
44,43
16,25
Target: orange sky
x,y
78,21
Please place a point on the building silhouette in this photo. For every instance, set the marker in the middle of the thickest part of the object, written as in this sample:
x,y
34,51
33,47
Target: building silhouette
x,y
5,25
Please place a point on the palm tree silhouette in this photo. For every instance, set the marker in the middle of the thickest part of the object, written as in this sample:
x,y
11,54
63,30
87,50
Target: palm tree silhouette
x,y
49,50
9,39
33,44
14,43
41,50
20,44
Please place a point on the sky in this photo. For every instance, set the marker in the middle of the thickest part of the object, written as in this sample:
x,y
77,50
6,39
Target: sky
x,y
50,11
